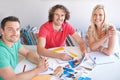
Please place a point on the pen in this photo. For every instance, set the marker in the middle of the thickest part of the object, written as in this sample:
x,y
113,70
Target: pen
x,y
117,55
51,68
24,68
94,60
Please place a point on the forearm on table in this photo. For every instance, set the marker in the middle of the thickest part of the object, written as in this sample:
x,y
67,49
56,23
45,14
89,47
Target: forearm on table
x,y
111,44
83,47
33,57
47,53
97,44
107,51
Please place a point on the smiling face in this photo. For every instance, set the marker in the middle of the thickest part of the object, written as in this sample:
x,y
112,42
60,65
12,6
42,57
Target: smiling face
x,y
59,17
98,17
11,32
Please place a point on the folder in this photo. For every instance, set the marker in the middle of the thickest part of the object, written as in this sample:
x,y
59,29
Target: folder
x,y
57,49
42,77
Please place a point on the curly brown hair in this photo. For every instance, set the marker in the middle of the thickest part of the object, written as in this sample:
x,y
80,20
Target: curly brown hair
x,y
52,10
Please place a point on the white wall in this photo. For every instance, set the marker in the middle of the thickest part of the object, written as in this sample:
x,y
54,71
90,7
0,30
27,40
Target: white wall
x,y
35,12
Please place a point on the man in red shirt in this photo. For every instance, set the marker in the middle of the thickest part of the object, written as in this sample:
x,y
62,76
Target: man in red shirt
x,y
54,32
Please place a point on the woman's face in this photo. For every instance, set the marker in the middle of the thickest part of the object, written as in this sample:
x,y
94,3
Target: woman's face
x,y
98,17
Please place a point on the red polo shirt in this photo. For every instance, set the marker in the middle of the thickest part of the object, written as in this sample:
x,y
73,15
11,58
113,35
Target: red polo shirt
x,y
55,38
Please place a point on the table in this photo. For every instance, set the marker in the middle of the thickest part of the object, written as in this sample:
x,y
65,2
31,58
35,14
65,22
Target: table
x,y
109,71
106,72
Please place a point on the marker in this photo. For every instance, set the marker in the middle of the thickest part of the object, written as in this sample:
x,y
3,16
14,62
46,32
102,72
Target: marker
x,y
24,68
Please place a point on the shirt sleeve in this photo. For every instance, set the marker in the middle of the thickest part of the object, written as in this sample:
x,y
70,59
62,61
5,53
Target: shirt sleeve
x,y
19,45
4,60
42,32
69,28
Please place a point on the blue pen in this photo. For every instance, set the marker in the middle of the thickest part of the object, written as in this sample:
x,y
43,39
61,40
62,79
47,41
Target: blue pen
x,y
117,55
94,60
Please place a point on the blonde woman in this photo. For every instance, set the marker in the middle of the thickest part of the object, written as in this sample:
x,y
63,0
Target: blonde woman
x,y
101,36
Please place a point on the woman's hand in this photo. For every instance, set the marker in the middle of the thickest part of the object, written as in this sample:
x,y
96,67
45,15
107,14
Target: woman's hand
x,y
111,31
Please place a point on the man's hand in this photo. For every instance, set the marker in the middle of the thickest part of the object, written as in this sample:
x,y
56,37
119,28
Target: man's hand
x,y
43,65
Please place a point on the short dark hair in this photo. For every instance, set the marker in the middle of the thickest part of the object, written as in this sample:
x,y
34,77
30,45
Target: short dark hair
x,y
52,10
9,18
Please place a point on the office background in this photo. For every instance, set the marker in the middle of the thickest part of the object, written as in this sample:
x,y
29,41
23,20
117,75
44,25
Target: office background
x,y
35,12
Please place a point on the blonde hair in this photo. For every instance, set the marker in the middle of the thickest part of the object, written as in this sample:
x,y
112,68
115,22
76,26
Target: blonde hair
x,y
104,24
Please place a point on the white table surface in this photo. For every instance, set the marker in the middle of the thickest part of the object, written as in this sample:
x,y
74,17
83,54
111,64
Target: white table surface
x,y
109,71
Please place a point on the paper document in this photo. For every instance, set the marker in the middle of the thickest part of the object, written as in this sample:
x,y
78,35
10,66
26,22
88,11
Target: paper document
x,y
88,64
30,66
100,58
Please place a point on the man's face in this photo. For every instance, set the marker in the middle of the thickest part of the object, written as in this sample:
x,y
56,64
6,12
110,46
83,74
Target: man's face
x,y
59,17
11,32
